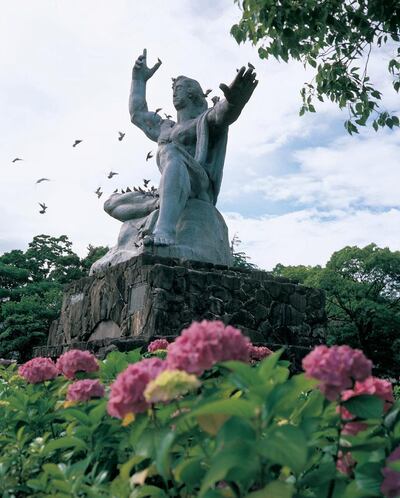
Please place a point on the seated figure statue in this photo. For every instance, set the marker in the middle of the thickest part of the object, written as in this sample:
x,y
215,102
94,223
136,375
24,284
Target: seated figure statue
x,y
190,158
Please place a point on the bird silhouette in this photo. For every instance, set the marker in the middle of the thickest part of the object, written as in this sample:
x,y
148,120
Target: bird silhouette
x,y
128,189
149,156
111,174
145,182
157,110
167,116
16,159
43,206
121,135
77,142
207,92
215,99
43,180
115,191
250,65
98,192
122,191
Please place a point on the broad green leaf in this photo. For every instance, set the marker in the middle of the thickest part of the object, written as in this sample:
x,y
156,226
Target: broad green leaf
x,y
163,454
275,489
62,443
365,406
285,445
148,492
126,468
238,407
190,471
369,477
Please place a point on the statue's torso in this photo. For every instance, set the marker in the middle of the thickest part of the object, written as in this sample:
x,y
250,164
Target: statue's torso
x,y
182,133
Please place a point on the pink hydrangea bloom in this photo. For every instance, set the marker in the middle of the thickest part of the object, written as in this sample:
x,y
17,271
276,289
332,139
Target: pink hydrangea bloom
x,y
258,353
83,390
391,483
38,370
127,392
345,463
336,368
76,360
157,344
205,343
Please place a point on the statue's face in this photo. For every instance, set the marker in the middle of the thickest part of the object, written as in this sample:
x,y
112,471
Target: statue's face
x,y
180,95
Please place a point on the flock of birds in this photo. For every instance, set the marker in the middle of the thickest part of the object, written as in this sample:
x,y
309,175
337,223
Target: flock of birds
x,y
149,190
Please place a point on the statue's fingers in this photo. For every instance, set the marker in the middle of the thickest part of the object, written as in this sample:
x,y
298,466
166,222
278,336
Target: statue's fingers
x,y
247,75
224,88
144,55
155,67
239,75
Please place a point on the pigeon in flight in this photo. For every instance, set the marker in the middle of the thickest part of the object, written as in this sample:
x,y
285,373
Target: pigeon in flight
x,y
167,116
77,142
121,135
149,156
215,99
98,192
43,206
111,174
16,159
207,92
145,182
43,180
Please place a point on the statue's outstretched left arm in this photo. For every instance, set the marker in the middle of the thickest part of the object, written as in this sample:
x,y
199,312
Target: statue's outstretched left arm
x,y
237,94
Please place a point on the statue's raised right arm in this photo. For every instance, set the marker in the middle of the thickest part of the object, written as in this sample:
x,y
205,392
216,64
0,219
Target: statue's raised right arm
x,y
149,122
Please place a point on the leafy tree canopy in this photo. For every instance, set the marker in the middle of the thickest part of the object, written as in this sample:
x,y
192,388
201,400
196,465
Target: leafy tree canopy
x,y
363,300
336,38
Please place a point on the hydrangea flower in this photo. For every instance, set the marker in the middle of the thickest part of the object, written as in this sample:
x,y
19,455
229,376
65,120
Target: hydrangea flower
x,y
380,388
336,368
157,344
170,384
127,391
206,343
258,353
83,390
74,361
38,370
391,483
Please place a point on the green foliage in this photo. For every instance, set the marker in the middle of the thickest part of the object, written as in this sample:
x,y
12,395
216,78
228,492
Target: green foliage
x,y
249,431
363,300
336,39
31,285
240,259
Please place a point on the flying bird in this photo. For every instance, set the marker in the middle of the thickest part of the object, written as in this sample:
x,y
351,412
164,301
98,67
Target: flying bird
x,y
145,182
149,156
16,159
167,116
157,110
43,180
111,174
98,192
121,135
207,92
215,99
43,206
77,142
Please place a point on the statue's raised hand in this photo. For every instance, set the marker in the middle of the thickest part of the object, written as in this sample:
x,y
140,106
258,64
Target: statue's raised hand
x,y
241,88
141,71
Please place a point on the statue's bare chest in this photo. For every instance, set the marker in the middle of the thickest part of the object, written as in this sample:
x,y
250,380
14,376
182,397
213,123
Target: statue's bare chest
x,y
182,133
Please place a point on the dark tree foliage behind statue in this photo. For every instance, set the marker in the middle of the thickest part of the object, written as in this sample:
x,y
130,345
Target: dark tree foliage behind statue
x,y
31,284
336,38
363,300
240,258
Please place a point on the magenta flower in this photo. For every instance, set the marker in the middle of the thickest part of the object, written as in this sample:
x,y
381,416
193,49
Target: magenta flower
x,y
391,483
38,370
127,392
371,385
336,368
353,428
204,344
157,344
76,360
258,353
345,463
83,390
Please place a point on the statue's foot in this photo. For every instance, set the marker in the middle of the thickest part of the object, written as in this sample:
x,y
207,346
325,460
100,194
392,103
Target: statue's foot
x,y
159,239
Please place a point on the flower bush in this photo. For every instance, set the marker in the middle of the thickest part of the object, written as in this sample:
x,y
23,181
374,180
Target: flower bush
x,y
38,370
221,424
74,361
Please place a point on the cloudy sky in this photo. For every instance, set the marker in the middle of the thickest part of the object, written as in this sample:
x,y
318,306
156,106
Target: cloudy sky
x,y
294,190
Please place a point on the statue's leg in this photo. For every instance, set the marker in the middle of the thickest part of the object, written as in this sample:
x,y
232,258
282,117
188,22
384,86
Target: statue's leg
x,y
174,191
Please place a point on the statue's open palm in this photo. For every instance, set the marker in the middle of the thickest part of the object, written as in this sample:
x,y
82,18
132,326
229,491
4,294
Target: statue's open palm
x,y
141,71
241,88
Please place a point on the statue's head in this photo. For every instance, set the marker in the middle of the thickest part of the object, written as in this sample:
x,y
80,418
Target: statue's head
x,y
188,92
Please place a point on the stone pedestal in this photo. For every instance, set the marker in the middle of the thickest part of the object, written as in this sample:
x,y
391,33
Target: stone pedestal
x,y
148,296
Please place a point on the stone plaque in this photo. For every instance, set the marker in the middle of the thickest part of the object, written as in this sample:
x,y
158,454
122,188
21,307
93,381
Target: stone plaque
x,y
137,298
